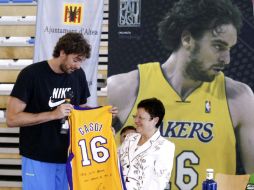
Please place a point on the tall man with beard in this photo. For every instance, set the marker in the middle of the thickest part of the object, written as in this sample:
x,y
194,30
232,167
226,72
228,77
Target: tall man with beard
x,y
36,106
203,107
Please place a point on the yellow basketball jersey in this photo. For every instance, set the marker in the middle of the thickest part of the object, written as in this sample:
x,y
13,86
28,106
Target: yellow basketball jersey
x,y
93,161
200,126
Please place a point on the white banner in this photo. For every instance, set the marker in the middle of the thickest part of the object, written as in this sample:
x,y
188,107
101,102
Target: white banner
x,y
55,18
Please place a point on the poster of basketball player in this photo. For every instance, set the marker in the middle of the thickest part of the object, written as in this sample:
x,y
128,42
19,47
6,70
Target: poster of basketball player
x,y
201,69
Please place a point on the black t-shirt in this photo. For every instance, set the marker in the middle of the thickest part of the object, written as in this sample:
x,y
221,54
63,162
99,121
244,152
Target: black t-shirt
x,y
43,90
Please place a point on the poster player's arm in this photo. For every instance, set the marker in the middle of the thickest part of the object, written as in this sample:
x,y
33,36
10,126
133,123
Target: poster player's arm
x,y
241,104
17,117
122,92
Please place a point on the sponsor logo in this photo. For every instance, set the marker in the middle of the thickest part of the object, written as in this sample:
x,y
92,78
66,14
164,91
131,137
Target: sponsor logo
x,y
188,130
207,107
73,13
60,93
129,14
58,96
54,104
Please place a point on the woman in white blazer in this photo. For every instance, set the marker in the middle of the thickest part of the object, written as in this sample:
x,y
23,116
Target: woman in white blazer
x,y
146,157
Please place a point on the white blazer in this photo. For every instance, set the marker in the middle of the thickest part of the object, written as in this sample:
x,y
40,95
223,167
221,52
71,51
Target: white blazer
x,y
149,166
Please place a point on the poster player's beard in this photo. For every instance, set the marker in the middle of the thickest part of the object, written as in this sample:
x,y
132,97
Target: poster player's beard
x,y
195,72
194,68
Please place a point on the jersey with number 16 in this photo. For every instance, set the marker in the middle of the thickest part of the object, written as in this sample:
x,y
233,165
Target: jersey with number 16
x,y
92,162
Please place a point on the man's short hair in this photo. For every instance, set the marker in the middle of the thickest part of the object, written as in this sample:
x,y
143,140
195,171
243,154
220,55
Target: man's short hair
x,y
72,43
196,17
128,127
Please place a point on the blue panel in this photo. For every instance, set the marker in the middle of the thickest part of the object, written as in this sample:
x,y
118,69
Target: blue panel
x,y
22,1
4,1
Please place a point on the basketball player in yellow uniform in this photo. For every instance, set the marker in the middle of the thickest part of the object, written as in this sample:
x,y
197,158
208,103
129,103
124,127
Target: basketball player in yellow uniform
x,y
197,134
202,105
92,162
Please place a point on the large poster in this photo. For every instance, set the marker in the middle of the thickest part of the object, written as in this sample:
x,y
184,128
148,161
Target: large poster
x,y
133,40
55,18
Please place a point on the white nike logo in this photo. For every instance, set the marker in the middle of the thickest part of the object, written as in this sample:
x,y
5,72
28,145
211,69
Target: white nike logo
x,y
54,104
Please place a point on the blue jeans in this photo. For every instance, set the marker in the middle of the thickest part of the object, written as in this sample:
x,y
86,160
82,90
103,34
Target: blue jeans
x,y
38,175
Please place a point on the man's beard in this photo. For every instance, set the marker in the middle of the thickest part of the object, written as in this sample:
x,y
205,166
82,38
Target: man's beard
x,y
64,69
194,67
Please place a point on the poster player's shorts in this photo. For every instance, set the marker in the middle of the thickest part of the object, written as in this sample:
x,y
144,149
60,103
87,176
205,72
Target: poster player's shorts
x,y
43,175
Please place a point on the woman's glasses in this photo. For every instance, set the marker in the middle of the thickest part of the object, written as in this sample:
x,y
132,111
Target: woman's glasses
x,y
141,118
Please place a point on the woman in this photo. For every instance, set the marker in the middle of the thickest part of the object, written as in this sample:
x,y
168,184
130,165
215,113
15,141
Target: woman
x,y
146,157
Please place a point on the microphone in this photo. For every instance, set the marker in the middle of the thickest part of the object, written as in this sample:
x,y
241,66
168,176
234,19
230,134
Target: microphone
x,y
64,121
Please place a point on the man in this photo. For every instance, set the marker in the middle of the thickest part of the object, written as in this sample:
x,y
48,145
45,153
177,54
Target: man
x,y
36,106
203,107
125,131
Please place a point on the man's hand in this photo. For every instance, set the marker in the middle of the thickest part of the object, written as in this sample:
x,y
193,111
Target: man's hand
x,y
114,111
113,130
62,111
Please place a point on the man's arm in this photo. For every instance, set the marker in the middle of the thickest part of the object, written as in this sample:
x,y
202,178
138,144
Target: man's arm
x,y
246,124
241,104
16,117
122,92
